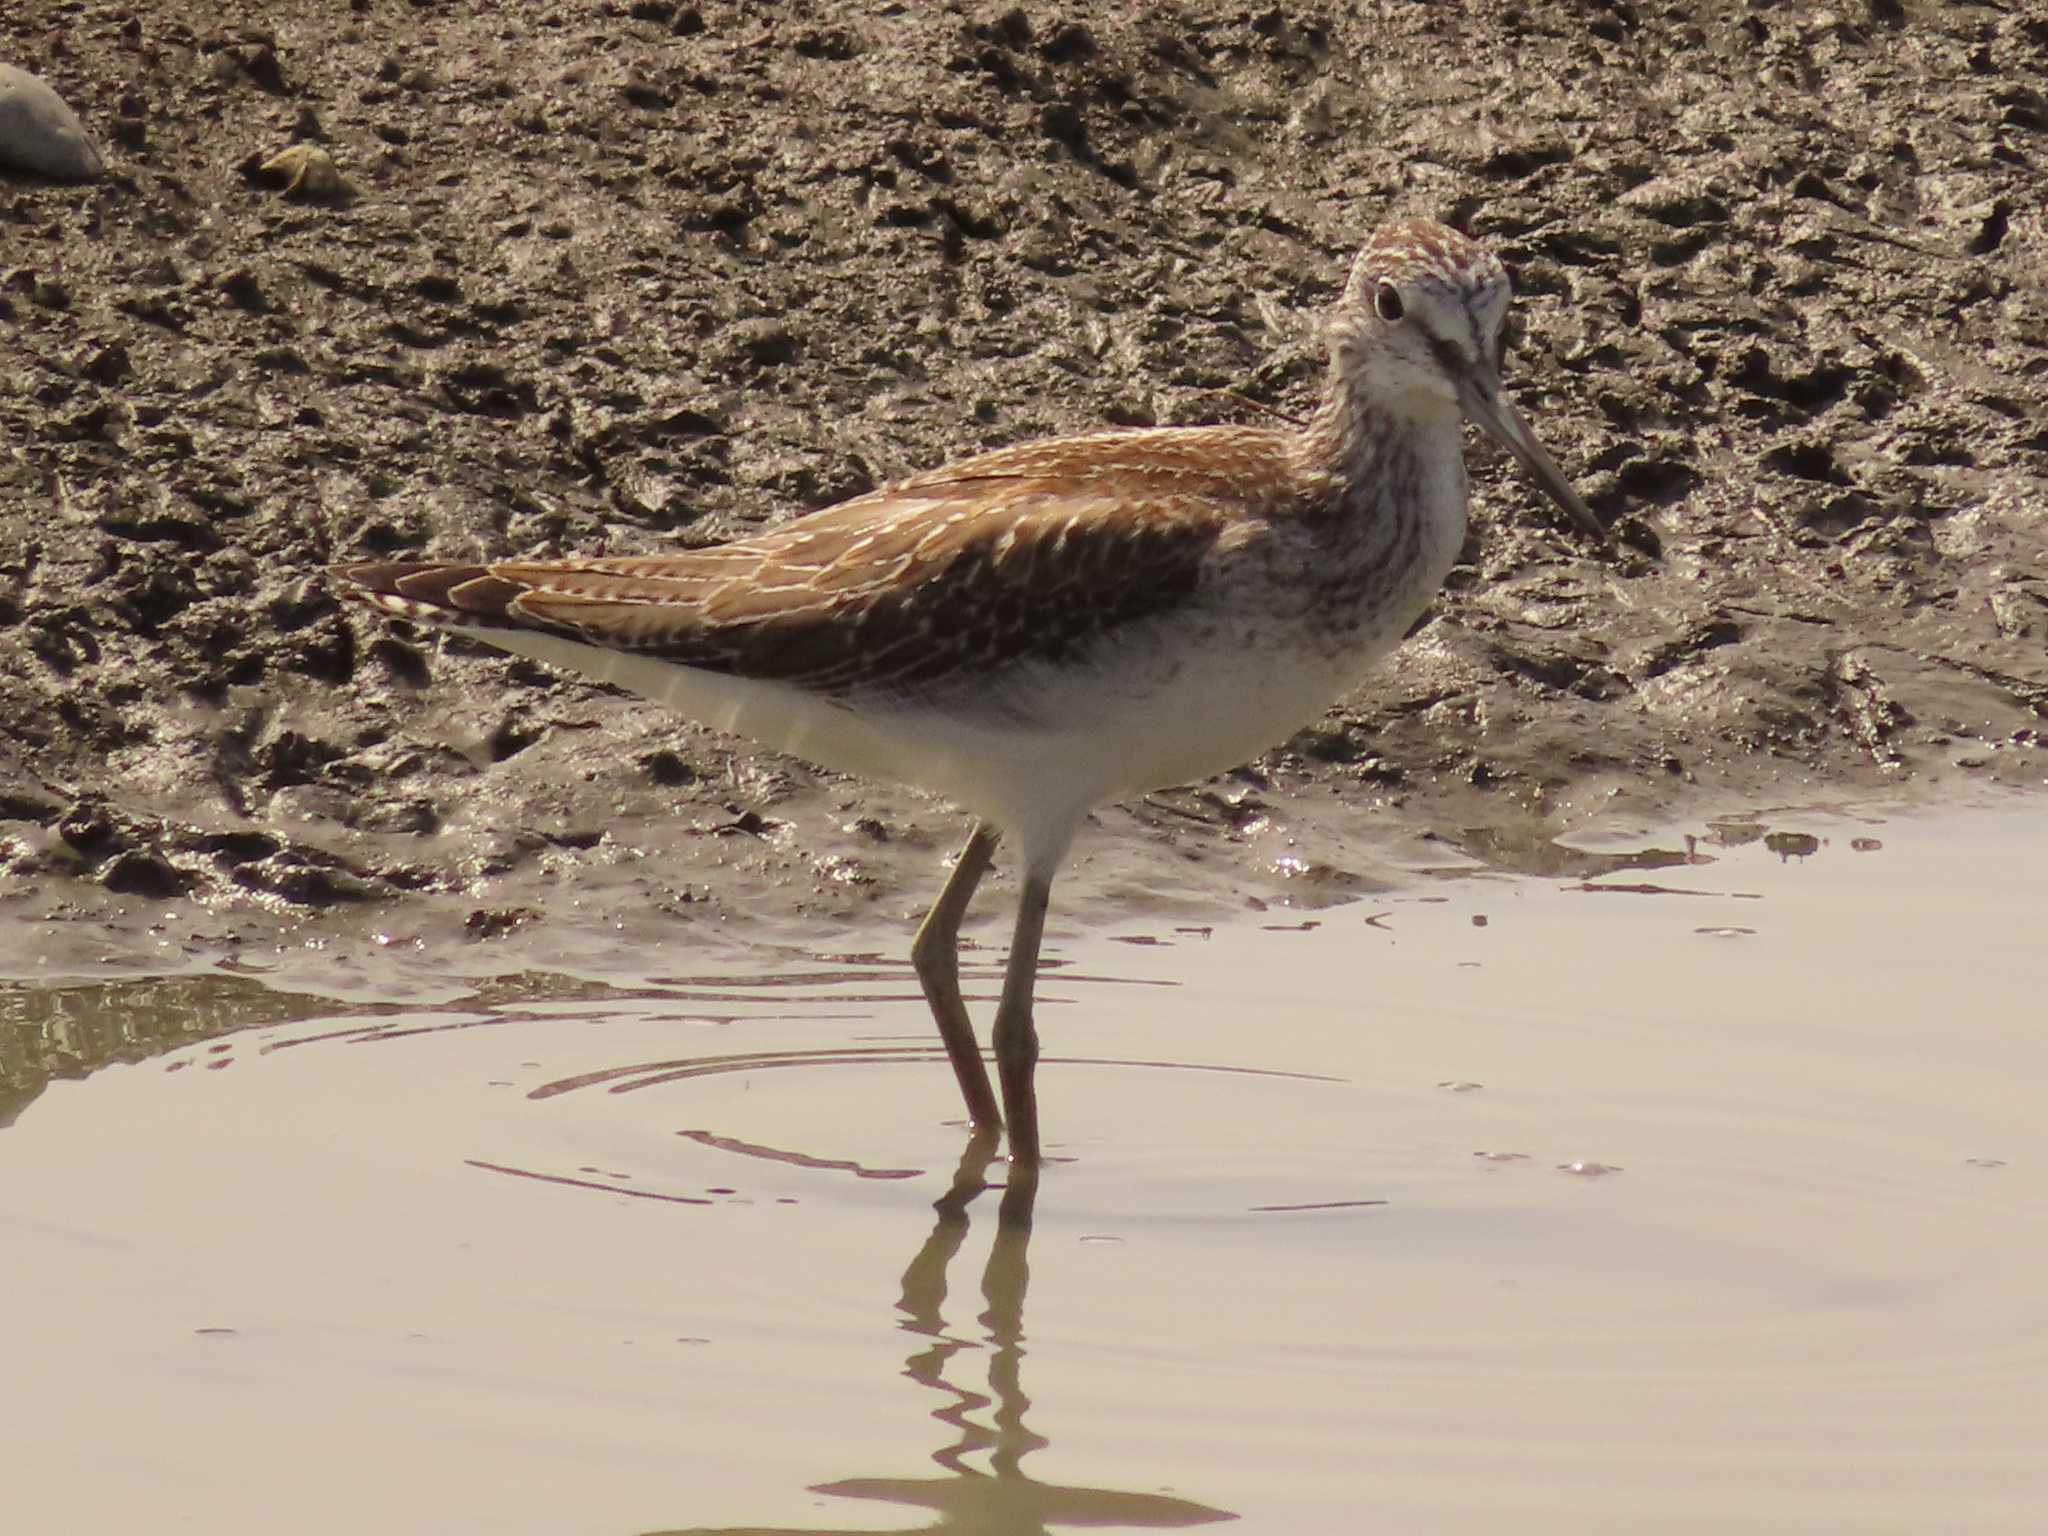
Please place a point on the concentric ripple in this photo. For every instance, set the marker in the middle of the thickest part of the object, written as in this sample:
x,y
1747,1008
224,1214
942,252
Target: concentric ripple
x,y
1575,1204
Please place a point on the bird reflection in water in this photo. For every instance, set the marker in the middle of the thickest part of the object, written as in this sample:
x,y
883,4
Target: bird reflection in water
x,y
1004,1500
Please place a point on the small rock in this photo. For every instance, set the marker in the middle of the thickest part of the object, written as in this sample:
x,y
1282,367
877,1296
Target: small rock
x,y
288,876
308,171
41,135
92,829
1676,203
252,57
1792,845
766,342
486,923
232,848
107,364
145,873
243,290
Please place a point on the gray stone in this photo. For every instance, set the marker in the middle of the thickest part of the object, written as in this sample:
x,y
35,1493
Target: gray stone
x,y
41,135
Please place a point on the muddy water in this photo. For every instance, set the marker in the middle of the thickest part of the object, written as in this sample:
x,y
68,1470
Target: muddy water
x,y
1701,1187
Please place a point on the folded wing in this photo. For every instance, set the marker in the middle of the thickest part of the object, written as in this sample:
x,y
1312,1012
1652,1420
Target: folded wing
x,y
1029,553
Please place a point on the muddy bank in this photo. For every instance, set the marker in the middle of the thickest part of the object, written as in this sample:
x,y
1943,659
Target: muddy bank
x,y
607,279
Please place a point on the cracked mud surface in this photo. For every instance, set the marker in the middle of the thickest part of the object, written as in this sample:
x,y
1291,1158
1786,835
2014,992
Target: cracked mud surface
x,y
580,278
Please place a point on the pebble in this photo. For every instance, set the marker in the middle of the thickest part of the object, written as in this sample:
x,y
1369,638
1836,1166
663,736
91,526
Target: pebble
x,y
308,171
41,135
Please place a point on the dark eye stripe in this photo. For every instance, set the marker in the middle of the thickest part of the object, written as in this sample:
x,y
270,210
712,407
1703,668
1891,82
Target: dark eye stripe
x,y
1448,357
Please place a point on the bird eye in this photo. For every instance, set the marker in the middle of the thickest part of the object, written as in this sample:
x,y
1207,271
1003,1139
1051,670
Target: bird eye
x,y
1387,304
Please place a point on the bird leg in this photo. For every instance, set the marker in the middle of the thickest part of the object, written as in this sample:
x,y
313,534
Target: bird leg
x,y
1014,1038
935,954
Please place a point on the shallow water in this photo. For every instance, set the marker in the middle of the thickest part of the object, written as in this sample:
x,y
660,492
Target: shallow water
x,y
1701,1188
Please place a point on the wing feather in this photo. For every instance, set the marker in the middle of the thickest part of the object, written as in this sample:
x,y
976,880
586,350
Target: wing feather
x,y
1028,553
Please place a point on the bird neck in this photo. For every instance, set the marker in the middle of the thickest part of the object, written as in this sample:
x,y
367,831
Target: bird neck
x,y
1368,445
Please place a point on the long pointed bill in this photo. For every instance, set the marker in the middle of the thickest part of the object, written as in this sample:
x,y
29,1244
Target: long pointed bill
x,y
1497,417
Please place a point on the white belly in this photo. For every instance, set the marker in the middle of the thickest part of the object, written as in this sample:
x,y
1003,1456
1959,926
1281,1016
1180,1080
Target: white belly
x,y
1033,752
1035,746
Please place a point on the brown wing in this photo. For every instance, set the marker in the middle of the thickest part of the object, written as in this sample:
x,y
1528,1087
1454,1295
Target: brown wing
x,y
1027,553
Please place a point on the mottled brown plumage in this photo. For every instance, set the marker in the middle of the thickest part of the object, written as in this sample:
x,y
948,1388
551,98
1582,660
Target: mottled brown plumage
x,y
1028,553
1038,629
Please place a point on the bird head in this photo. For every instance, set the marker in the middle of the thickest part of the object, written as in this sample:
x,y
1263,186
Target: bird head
x,y
1419,330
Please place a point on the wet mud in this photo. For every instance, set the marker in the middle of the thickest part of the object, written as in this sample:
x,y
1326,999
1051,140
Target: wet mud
x,y
370,281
